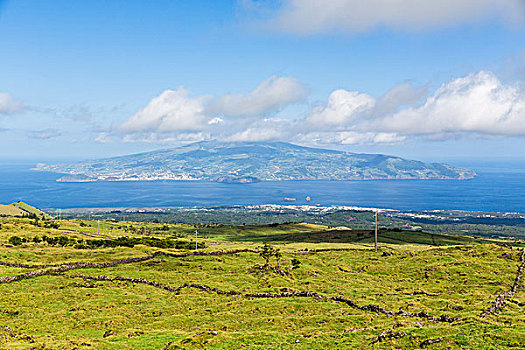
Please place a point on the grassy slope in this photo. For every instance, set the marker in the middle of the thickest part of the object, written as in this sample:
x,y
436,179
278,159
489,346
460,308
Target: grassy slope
x,y
21,209
30,209
10,210
61,312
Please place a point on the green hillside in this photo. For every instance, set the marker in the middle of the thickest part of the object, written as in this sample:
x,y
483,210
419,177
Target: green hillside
x,y
21,209
81,284
11,210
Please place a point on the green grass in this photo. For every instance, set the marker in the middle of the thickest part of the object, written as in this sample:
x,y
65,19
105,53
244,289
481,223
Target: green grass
x,y
10,210
21,209
461,274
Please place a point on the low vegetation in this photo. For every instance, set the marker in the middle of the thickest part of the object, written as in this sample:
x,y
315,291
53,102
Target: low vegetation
x,y
62,241
143,285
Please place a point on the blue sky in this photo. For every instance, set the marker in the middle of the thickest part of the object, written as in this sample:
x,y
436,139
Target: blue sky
x,y
89,79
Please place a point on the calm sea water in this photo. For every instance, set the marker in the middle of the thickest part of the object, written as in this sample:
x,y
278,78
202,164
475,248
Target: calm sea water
x,y
498,187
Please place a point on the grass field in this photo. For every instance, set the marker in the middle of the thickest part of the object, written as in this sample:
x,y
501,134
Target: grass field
x,y
21,209
342,295
10,210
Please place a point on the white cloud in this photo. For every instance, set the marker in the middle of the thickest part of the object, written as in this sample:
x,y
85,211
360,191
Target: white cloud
x,y
342,108
350,138
8,105
403,94
270,95
184,137
256,134
170,111
216,120
478,103
306,17
103,137
175,112
45,134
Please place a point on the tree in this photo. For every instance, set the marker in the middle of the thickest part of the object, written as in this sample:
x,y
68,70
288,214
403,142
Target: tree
x,y
267,252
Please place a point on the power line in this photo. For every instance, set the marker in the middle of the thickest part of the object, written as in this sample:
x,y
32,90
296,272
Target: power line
x,y
196,239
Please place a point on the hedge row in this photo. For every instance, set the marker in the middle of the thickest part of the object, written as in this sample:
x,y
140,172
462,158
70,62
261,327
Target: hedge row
x,y
108,243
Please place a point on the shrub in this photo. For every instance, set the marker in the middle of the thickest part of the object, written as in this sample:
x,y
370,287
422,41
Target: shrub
x,y
15,240
267,252
63,241
110,243
51,224
295,264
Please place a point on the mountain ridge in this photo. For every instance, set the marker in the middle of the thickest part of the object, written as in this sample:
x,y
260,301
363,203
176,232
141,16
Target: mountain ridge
x,y
250,162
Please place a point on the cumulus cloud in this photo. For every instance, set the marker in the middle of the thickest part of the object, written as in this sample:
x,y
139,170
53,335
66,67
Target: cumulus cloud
x,y
404,94
256,134
342,108
478,103
306,17
350,138
8,105
272,94
173,110
349,108
183,137
177,112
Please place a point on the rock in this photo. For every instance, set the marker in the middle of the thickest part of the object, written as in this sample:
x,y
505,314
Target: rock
x,y
431,341
108,334
455,307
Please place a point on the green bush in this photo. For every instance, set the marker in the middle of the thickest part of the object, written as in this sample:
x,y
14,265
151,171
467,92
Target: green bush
x,y
295,264
51,224
267,252
118,242
15,240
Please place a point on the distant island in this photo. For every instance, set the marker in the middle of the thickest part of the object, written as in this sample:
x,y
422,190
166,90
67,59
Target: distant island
x,y
246,162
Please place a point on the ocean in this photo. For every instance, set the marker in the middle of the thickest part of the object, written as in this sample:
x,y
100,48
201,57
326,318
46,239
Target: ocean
x,y
499,187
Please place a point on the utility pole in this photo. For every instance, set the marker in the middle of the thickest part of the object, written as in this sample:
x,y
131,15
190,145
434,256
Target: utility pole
x,y
195,239
375,236
98,224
